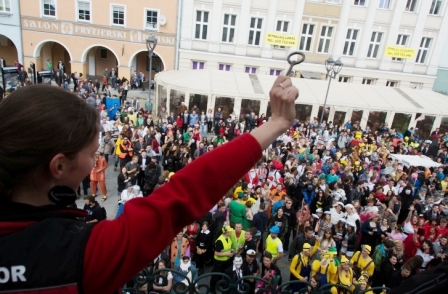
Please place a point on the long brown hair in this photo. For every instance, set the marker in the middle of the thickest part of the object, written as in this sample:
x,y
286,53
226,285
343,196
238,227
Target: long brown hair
x,y
39,122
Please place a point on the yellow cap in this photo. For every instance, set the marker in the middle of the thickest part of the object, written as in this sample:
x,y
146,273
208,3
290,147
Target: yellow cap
x,y
306,246
344,259
226,229
367,248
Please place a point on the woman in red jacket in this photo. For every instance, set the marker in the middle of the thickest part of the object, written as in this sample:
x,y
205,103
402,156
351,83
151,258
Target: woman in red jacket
x,y
48,139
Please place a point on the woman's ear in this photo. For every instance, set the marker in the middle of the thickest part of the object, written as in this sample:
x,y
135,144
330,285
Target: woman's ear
x,y
58,165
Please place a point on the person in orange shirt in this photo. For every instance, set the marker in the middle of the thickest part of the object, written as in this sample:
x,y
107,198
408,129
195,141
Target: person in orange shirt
x,y
275,196
179,248
98,175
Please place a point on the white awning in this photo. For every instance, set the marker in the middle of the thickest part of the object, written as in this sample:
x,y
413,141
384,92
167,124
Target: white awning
x,y
415,160
311,75
342,96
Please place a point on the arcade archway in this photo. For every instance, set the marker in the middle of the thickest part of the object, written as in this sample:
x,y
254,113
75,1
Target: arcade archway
x,y
139,62
8,51
98,58
54,52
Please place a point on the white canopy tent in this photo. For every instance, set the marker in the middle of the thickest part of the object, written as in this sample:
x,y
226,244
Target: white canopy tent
x,y
342,96
415,160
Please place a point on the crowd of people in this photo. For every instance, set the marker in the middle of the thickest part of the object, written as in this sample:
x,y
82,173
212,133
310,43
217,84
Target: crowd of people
x,y
329,199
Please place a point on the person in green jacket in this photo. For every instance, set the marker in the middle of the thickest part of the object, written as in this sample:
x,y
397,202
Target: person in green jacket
x,y
237,210
187,137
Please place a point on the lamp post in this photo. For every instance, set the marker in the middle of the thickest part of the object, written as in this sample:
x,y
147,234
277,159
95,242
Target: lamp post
x,y
151,43
333,68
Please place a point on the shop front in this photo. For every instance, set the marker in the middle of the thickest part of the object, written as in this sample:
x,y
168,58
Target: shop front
x,y
93,49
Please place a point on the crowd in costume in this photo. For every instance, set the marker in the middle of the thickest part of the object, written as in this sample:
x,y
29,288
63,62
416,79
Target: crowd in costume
x,y
335,188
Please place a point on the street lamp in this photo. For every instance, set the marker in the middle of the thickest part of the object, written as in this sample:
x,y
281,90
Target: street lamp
x,y
333,68
151,43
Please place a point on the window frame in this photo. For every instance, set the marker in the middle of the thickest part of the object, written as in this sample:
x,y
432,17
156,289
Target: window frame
x,y
229,27
309,37
4,7
332,1
256,30
275,71
372,81
112,24
77,11
282,31
396,84
225,67
416,85
415,5
42,12
198,62
359,5
408,37
105,50
355,48
145,21
426,56
375,43
431,9
388,7
201,23
330,39
345,79
251,68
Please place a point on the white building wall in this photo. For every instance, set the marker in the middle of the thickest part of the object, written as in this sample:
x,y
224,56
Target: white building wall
x,y
10,27
367,19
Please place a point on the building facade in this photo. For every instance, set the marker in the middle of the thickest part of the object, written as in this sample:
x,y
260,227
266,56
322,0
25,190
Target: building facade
x,y
89,36
231,35
10,32
441,83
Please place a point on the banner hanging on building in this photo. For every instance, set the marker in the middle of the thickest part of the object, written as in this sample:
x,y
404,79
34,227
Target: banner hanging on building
x,y
399,52
281,39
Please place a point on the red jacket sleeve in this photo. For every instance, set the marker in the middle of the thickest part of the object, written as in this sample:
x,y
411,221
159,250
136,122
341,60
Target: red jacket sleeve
x,y
118,249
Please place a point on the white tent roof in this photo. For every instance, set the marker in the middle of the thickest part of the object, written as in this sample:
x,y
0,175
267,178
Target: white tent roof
x,y
415,160
312,92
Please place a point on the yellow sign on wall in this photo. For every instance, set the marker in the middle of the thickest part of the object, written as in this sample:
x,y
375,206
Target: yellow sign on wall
x,y
281,39
399,52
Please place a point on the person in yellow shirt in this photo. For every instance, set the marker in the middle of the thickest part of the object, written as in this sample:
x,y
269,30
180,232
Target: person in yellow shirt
x,y
344,276
238,237
274,245
223,254
117,151
361,285
325,268
362,260
300,266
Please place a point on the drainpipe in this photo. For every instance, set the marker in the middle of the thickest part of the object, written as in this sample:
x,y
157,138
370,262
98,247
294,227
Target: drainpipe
x,y
21,38
179,21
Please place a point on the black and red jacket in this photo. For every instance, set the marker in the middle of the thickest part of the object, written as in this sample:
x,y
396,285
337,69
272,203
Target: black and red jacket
x,y
116,250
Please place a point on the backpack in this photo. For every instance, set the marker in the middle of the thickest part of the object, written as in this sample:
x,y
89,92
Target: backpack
x,y
103,214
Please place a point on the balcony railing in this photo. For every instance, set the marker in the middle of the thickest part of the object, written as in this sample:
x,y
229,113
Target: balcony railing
x,y
183,285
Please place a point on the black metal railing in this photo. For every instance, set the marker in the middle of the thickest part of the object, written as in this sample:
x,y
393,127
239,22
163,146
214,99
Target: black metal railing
x,y
182,284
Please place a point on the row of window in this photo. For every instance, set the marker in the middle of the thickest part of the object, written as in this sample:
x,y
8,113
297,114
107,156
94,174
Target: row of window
x,y
276,72
307,35
411,5
84,12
